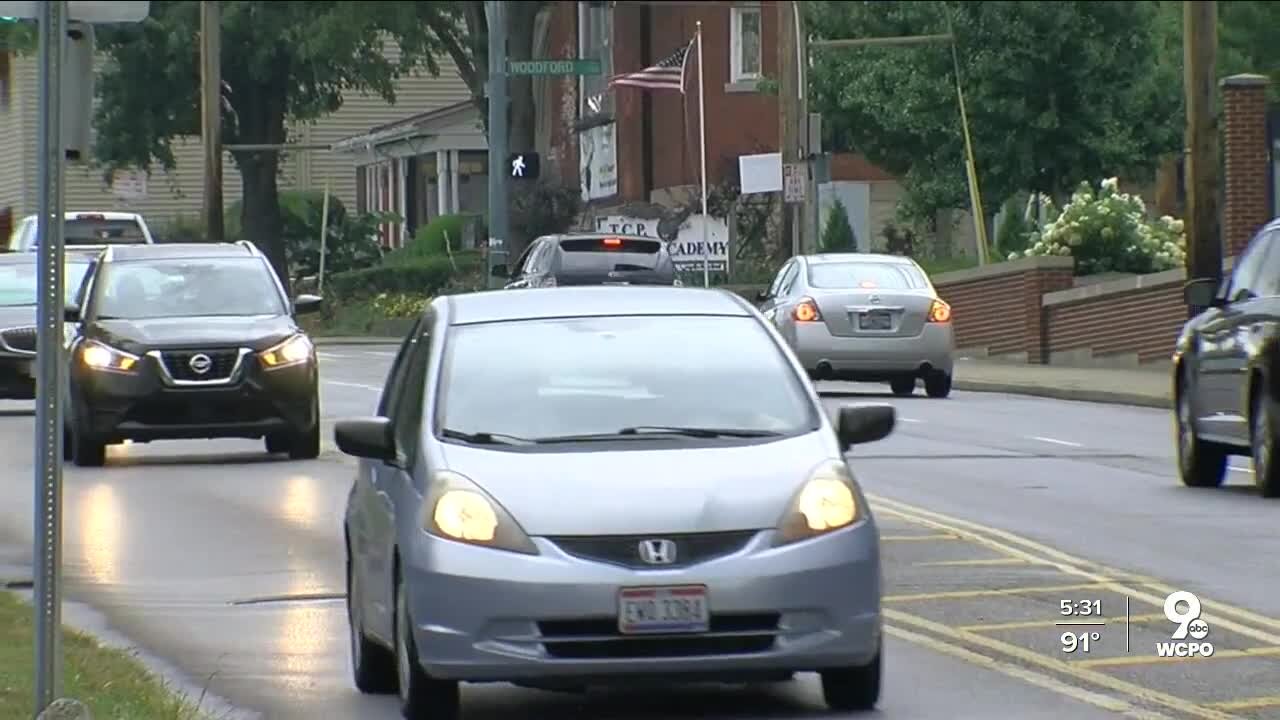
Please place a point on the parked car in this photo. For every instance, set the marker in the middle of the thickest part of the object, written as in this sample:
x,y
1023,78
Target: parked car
x,y
18,316
87,229
653,489
864,317
1225,365
591,259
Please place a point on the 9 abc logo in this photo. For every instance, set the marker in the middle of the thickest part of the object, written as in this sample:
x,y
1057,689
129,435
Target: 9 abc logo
x,y
1189,623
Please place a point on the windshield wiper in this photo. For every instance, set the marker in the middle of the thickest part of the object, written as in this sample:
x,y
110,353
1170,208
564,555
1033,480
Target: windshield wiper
x,y
484,438
698,432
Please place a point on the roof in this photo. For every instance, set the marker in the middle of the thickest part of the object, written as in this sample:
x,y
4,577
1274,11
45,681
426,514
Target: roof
x,y
450,121
104,214
591,301
71,254
126,253
596,235
858,257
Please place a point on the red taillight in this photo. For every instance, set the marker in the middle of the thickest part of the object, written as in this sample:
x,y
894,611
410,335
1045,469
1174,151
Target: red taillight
x,y
806,311
939,312
612,242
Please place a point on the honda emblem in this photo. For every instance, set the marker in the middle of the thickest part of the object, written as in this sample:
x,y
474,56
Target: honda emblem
x,y
658,552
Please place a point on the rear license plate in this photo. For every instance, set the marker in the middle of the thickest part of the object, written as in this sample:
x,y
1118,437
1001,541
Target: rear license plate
x,y
875,320
678,609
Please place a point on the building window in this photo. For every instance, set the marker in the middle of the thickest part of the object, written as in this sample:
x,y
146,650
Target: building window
x,y
744,43
595,42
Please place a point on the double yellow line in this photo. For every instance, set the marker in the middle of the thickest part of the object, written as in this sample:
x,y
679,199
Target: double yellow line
x,y
1125,698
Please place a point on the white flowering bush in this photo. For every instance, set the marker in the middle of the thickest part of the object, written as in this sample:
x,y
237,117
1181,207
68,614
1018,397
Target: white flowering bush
x,y
1109,231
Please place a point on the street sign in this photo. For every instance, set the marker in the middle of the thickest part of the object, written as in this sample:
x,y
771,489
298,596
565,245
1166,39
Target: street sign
x,y
524,166
90,11
578,66
794,179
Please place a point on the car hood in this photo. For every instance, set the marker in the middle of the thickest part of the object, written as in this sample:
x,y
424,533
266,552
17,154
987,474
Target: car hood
x,y
633,492
17,316
256,332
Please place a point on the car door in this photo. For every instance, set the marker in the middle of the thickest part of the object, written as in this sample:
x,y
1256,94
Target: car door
x,y
776,294
372,522
1221,357
1253,325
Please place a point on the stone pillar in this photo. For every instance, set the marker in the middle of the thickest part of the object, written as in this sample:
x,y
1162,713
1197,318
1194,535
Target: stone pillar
x,y
1246,160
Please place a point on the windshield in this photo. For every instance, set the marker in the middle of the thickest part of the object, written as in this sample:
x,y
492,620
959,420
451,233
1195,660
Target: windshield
x,y
139,290
880,276
18,283
600,375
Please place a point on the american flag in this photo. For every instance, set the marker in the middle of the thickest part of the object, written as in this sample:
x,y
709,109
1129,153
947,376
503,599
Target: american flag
x,y
667,74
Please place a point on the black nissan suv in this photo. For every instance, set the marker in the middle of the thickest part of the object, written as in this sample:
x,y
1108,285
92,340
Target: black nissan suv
x,y
184,341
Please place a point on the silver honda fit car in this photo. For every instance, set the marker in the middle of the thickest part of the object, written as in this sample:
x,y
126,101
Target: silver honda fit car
x,y
579,486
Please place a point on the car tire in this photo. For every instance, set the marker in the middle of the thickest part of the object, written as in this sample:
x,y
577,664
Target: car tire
x,y
1201,464
373,667
276,443
1262,444
87,450
306,444
853,688
903,386
938,385
421,697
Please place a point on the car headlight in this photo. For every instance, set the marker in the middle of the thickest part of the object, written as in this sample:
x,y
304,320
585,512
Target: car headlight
x,y
294,351
457,509
826,502
99,356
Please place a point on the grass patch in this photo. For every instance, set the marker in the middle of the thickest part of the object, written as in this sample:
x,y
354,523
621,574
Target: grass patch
x,y
112,683
354,318
937,266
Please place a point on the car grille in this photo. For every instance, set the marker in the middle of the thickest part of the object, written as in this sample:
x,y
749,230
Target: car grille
x,y
624,550
179,364
598,638
21,339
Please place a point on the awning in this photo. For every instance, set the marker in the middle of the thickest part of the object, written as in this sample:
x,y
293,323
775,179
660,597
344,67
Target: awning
x,y
455,127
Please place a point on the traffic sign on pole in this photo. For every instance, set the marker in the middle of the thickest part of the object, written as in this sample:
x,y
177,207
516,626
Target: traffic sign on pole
x,y
576,66
90,11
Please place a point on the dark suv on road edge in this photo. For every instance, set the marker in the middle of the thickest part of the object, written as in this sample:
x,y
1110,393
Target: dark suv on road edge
x,y
209,349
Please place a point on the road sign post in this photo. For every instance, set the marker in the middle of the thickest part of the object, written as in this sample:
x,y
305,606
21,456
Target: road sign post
x,y
794,181
499,235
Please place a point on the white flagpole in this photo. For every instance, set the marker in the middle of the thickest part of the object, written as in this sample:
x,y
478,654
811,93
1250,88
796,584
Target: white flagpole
x,y
702,134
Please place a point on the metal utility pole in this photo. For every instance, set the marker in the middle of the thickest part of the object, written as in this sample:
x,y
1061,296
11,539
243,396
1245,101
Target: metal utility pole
x,y
211,120
499,232
1200,49
792,121
49,355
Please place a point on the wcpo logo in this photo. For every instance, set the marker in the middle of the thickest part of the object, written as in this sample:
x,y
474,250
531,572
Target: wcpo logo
x,y
1189,624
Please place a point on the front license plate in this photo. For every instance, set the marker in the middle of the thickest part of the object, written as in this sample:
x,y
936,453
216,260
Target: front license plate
x,y
875,321
679,609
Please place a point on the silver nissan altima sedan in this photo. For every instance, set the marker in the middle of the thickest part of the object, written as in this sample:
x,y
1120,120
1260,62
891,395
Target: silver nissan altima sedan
x,y
579,486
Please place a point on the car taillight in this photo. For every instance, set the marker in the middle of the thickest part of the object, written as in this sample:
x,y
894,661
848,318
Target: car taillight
x,y
806,311
939,312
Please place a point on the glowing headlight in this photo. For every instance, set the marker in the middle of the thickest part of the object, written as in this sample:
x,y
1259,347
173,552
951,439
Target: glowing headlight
x,y
457,509
294,351
826,502
104,357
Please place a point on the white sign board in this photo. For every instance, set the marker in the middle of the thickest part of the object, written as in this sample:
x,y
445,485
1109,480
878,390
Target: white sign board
x,y
90,11
686,250
760,173
794,182
598,162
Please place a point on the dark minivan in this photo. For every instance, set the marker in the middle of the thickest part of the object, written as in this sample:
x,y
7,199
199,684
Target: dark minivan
x,y
592,259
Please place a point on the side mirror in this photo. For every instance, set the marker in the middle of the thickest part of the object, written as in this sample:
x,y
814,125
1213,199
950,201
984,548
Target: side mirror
x,y
499,271
71,313
1201,292
861,424
369,438
305,304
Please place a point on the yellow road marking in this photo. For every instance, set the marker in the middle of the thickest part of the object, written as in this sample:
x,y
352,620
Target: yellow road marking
x,y
962,594
1248,703
1039,624
1075,566
1157,660
1106,702
1181,705
969,563
911,538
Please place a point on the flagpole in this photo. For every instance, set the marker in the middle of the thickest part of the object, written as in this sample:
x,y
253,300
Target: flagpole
x,y
702,135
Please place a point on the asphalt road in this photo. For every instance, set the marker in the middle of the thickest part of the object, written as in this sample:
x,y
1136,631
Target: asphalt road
x,y
228,566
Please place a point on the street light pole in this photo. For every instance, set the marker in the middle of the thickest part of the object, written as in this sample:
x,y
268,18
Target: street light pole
x,y
211,115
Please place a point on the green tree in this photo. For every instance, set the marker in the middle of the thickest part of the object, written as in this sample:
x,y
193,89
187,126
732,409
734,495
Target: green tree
x,y
282,61
837,234
1056,92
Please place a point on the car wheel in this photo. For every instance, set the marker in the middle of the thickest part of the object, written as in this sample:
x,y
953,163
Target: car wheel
x,y
1262,440
373,666
306,444
903,386
852,688
937,385
276,443
421,697
87,450
1200,463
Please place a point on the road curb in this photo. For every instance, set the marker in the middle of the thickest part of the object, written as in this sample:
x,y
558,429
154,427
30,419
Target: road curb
x,y
1109,397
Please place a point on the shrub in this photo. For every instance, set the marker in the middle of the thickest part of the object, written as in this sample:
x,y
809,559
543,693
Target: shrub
x,y
429,241
427,276
544,209
838,236
1108,231
351,238
1014,230
400,305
